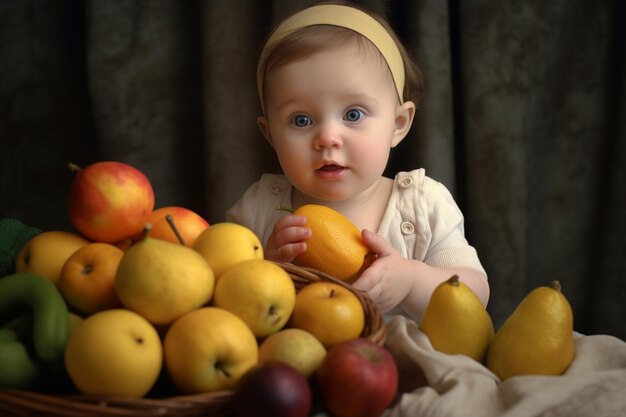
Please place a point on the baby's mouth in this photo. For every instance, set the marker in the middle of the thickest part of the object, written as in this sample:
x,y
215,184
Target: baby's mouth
x,y
330,168
331,171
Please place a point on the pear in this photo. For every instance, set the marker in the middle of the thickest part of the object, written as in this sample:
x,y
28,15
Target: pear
x,y
162,280
537,339
456,322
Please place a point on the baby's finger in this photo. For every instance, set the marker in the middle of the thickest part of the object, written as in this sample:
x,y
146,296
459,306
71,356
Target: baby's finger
x,y
289,221
366,282
291,235
287,253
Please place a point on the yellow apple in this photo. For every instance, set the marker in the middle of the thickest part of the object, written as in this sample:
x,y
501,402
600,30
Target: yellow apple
x,y
226,244
114,352
330,312
260,292
188,223
208,349
87,280
46,253
295,347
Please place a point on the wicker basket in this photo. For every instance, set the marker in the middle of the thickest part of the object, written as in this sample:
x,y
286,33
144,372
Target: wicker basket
x,y
215,404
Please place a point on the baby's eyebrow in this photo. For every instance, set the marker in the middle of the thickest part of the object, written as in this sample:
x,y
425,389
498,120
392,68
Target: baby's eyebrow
x,y
286,103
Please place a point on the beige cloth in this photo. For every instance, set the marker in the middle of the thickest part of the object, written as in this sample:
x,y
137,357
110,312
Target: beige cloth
x,y
436,384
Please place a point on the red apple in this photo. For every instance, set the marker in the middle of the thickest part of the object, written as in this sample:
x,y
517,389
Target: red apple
x,y
272,389
188,223
357,378
110,201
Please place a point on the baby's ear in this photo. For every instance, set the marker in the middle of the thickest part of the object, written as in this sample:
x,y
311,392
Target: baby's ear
x,y
264,127
404,119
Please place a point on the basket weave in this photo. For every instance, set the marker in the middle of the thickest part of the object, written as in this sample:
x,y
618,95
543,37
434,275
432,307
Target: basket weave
x,y
24,403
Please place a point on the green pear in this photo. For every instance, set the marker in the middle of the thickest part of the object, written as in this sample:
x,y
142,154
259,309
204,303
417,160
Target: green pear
x,y
537,338
162,280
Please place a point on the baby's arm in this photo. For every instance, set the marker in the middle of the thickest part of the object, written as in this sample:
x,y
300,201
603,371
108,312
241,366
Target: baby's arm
x,y
428,277
393,280
287,239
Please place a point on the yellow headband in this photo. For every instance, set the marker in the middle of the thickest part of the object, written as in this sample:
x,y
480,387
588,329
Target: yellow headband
x,y
342,16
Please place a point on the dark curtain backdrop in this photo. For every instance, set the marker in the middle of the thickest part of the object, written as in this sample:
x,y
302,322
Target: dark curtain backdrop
x,y
524,120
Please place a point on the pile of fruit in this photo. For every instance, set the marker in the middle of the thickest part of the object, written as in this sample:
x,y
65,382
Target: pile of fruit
x,y
137,295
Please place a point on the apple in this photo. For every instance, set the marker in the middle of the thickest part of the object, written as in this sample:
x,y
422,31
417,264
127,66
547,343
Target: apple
x,y
208,349
272,389
329,311
87,280
357,378
114,352
110,201
226,244
260,292
295,347
188,223
46,253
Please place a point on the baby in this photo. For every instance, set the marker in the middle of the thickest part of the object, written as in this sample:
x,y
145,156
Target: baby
x,y
338,91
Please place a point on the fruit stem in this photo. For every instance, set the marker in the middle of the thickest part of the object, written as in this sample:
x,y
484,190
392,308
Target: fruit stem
x,y
454,280
224,371
281,208
556,285
147,228
73,167
170,221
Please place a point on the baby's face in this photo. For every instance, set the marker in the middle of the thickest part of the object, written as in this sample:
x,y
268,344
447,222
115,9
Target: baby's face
x,y
330,119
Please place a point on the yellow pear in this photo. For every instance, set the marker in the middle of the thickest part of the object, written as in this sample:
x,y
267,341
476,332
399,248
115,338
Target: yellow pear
x,y
537,339
162,280
456,322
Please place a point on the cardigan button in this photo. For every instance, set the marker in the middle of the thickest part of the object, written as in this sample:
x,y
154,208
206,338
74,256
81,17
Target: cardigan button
x,y
407,228
406,182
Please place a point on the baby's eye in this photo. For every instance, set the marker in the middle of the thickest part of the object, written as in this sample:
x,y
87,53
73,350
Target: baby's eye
x,y
301,120
354,115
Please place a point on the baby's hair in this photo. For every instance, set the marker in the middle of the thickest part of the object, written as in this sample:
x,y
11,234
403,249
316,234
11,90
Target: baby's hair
x,y
309,40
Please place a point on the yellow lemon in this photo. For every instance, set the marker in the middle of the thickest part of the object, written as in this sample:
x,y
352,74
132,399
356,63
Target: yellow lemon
x,y
335,246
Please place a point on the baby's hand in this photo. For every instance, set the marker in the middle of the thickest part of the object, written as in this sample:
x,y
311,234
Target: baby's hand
x,y
388,279
287,239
